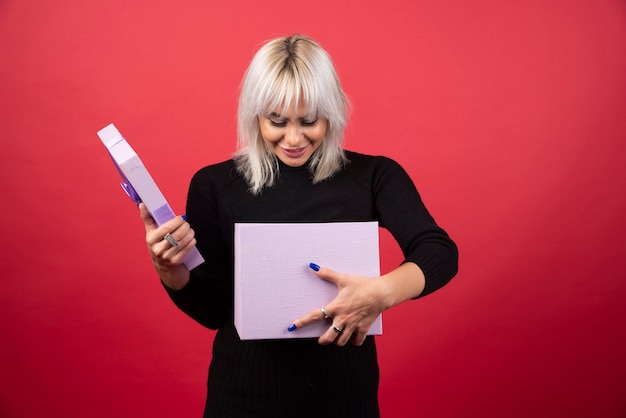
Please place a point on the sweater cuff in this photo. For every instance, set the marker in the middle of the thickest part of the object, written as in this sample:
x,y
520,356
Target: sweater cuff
x,y
438,268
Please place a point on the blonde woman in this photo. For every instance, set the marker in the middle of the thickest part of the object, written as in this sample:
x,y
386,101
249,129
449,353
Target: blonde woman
x,y
290,166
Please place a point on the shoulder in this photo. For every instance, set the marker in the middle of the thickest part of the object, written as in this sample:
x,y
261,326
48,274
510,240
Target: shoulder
x,y
373,163
218,169
379,171
216,176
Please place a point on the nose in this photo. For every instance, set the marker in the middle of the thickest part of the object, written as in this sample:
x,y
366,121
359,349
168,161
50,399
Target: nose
x,y
293,136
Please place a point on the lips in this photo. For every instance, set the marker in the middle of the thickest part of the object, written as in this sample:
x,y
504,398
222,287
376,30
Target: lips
x,y
294,152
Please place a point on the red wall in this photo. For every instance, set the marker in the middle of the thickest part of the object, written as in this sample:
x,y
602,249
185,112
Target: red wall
x,y
508,115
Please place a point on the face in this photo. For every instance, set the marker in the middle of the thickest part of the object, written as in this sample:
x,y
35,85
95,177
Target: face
x,y
294,135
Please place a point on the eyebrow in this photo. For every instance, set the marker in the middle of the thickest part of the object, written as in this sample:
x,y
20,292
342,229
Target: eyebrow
x,y
305,117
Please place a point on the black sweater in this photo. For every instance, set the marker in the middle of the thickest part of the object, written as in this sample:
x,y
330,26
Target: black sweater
x,y
298,378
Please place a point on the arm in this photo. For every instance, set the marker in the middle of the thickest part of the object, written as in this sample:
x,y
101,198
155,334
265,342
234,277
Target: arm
x,y
205,293
401,210
430,261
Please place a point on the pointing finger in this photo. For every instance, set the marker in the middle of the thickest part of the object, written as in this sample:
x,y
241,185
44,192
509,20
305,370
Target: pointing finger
x,y
326,274
309,318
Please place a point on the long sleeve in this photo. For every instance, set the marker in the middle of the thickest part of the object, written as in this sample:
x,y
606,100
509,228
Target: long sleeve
x,y
401,210
207,298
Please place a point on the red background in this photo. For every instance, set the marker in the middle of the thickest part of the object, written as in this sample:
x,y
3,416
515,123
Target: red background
x,y
508,115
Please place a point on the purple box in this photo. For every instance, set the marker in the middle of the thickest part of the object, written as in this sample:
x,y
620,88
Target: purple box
x,y
139,185
273,282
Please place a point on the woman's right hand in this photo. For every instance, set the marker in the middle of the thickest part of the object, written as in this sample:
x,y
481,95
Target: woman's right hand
x,y
168,259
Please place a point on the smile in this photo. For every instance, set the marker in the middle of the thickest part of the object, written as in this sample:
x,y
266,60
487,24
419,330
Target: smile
x,y
295,152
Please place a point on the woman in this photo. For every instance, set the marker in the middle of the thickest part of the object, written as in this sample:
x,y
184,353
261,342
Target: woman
x,y
290,167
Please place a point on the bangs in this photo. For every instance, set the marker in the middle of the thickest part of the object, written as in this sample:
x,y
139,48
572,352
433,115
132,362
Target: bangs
x,y
287,88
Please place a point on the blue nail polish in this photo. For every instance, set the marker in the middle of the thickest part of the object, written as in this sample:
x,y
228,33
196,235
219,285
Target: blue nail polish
x,y
184,217
314,266
292,327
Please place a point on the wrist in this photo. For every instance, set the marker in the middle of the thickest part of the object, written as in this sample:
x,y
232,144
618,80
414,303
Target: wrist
x,y
175,278
404,283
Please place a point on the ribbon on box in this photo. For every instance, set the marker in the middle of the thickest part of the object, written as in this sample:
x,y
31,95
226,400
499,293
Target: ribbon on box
x,y
131,192
126,186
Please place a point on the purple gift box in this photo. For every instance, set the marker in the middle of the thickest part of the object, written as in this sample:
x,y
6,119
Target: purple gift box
x,y
275,286
139,185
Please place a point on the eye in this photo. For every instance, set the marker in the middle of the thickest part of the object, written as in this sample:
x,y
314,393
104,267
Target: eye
x,y
278,123
311,122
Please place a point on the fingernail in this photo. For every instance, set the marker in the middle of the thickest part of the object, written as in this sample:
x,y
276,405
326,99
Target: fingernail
x,y
184,217
292,327
314,266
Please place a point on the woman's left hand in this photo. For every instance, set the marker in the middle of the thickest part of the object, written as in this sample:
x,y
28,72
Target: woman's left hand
x,y
358,303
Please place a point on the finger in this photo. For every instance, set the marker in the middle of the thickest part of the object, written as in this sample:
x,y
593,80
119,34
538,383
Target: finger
x,y
351,335
176,255
172,242
327,274
358,338
173,256
172,227
332,335
148,222
183,235
307,319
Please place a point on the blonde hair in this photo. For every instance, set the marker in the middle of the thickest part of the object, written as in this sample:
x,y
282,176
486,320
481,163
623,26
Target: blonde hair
x,y
285,72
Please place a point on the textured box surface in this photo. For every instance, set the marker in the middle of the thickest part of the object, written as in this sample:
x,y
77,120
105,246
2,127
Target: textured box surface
x,y
274,284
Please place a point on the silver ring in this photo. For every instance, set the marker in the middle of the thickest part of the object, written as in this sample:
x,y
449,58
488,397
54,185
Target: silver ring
x,y
337,330
173,241
323,309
